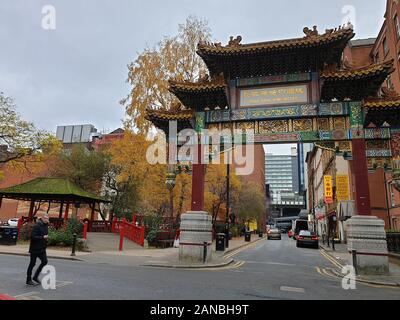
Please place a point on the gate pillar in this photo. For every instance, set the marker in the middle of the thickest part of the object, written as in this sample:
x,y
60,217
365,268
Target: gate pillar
x,y
360,168
198,177
198,173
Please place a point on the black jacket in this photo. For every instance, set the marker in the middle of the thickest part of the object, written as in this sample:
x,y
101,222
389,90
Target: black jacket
x,y
38,243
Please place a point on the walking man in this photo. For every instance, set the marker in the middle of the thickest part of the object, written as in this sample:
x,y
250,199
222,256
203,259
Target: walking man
x,y
37,249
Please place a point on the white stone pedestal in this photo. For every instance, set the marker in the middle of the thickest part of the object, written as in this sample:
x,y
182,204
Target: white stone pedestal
x,y
196,229
367,236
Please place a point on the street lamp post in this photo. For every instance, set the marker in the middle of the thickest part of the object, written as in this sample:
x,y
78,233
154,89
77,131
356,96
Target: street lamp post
x,y
227,203
170,182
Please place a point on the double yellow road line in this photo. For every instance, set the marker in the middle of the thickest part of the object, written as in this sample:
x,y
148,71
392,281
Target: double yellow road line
x,y
331,259
324,272
238,250
235,265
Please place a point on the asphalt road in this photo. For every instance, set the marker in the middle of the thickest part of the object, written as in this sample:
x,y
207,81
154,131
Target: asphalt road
x,y
272,269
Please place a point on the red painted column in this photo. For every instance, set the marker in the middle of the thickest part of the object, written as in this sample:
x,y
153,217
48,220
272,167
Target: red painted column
x,y
198,179
61,210
66,214
121,236
32,206
360,168
92,214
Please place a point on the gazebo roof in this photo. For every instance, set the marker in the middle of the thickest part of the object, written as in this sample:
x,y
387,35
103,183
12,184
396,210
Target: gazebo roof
x,y
50,189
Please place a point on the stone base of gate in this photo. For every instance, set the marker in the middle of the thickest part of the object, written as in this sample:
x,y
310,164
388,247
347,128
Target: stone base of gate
x,y
195,243
366,235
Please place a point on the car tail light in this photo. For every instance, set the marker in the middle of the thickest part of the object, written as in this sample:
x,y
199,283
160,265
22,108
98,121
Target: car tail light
x,y
314,238
299,238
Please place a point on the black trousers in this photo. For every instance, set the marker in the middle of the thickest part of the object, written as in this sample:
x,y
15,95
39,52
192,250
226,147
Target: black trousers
x,y
43,261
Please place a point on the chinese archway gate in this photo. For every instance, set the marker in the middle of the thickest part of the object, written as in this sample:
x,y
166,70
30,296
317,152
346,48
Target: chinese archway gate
x,y
291,91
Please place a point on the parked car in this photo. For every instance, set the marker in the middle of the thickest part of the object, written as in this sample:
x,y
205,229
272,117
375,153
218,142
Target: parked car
x,y
13,222
290,233
307,239
274,234
297,226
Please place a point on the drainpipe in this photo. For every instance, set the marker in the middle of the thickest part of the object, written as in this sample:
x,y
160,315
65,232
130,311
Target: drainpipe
x,y
387,200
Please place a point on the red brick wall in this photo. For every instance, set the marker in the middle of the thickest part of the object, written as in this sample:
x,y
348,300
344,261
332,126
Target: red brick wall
x,y
258,175
380,202
358,56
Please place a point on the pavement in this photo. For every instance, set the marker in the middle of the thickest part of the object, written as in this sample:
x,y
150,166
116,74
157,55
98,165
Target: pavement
x,y
268,270
219,259
54,253
104,249
341,257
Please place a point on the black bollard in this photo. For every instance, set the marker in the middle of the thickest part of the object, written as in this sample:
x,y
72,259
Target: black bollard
x,y
205,252
73,245
354,256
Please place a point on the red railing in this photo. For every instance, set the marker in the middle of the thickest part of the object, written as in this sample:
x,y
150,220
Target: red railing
x,y
130,231
115,225
134,233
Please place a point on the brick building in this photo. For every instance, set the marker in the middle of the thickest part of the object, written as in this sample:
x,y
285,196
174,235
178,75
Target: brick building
x,y
387,44
385,47
101,141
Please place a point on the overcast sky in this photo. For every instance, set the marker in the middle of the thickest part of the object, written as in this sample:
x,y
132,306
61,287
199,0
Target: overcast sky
x,y
76,73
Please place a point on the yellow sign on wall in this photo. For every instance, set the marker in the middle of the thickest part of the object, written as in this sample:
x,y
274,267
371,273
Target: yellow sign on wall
x,y
328,189
342,188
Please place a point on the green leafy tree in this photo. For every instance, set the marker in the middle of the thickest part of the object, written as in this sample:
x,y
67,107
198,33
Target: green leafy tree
x,y
86,168
20,140
122,193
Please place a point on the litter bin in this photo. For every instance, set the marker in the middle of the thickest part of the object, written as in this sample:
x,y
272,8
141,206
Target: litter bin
x,y
8,235
260,234
247,236
220,242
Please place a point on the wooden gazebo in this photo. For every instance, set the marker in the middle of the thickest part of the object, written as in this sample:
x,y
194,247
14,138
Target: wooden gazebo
x,y
52,190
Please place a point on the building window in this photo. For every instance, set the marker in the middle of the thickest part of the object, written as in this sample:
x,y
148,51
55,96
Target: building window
x,y
397,24
389,83
385,47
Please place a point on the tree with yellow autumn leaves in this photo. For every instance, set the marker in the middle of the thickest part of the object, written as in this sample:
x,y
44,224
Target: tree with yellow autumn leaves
x,y
173,58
